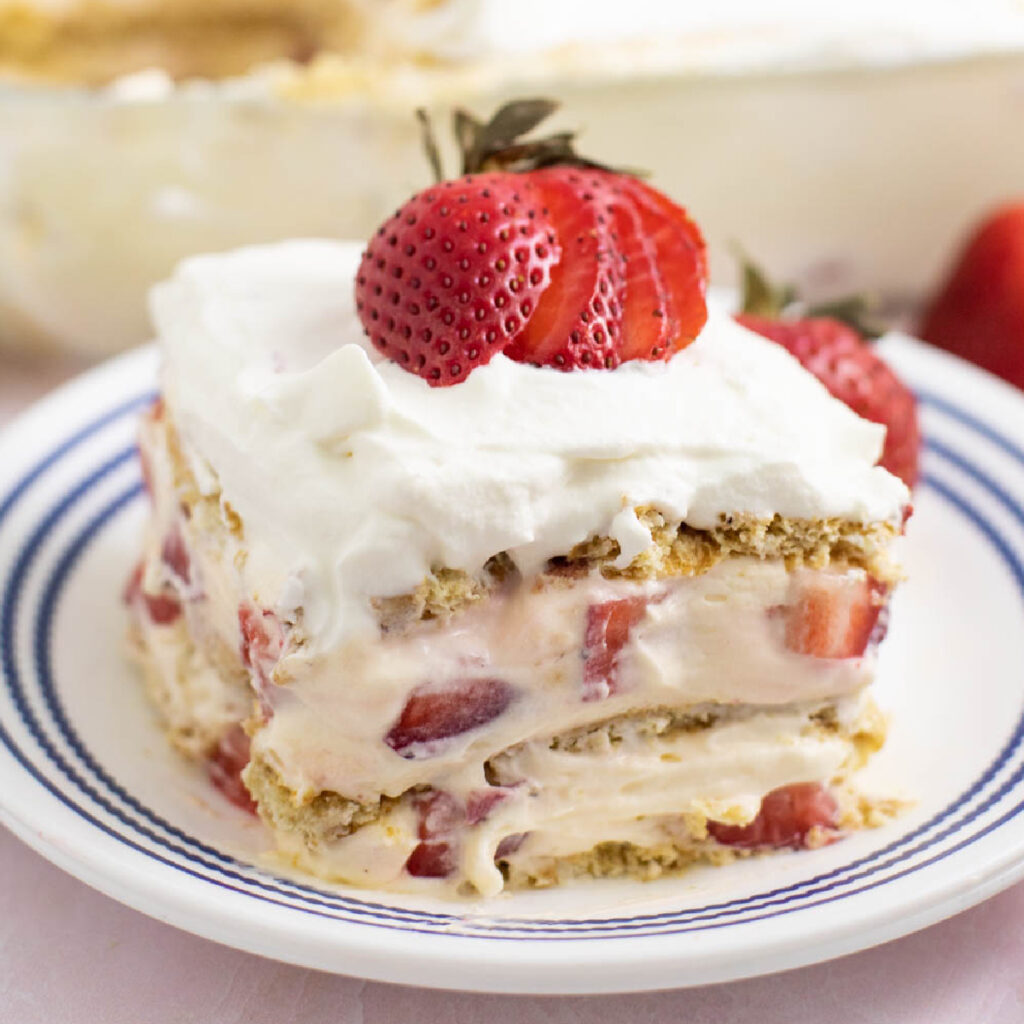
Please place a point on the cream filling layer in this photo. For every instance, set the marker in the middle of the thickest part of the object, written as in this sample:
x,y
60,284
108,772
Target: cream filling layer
x,y
644,792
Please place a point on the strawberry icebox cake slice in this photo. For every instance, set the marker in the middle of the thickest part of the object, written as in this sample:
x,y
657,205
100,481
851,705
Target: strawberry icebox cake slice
x,y
489,555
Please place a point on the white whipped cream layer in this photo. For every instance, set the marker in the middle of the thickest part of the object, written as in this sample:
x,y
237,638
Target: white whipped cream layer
x,y
354,477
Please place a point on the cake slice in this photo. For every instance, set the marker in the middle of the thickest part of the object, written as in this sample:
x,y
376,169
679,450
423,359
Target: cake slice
x,y
600,594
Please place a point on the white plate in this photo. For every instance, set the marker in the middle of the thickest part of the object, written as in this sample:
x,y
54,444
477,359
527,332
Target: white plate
x,y
87,779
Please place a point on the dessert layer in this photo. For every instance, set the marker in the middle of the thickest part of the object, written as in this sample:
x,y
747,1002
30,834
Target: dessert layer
x,y
645,782
269,380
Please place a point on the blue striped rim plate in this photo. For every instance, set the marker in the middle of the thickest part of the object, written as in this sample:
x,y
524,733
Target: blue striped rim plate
x,y
87,779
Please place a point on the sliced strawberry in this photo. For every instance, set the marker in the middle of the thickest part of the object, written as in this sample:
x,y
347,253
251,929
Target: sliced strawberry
x,y
834,615
666,273
175,555
226,765
577,322
607,631
456,273
786,817
549,259
434,713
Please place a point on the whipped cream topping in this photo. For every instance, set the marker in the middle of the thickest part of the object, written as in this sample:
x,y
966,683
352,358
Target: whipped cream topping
x,y
354,478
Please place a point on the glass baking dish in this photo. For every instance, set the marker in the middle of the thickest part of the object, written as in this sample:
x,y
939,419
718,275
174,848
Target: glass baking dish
x,y
839,173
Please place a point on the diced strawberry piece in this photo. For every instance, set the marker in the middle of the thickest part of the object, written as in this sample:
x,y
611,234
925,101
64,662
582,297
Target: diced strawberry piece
x,y
440,818
786,817
481,802
226,764
431,860
434,713
834,615
162,609
440,814
607,632
175,555
509,845
262,641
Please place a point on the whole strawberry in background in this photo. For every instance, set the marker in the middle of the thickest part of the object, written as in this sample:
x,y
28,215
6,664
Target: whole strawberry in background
x,y
832,343
978,313
534,252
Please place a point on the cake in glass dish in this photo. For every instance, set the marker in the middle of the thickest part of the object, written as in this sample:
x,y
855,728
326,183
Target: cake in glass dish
x,y
490,554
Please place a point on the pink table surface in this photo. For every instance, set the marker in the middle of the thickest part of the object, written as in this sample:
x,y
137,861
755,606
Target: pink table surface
x,y
69,955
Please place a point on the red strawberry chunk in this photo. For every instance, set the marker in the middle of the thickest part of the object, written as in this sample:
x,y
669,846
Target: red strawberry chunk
x,y
785,819
834,615
607,632
162,609
481,802
510,844
262,641
440,818
440,814
226,764
456,273
175,555
577,322
432,860
434,713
